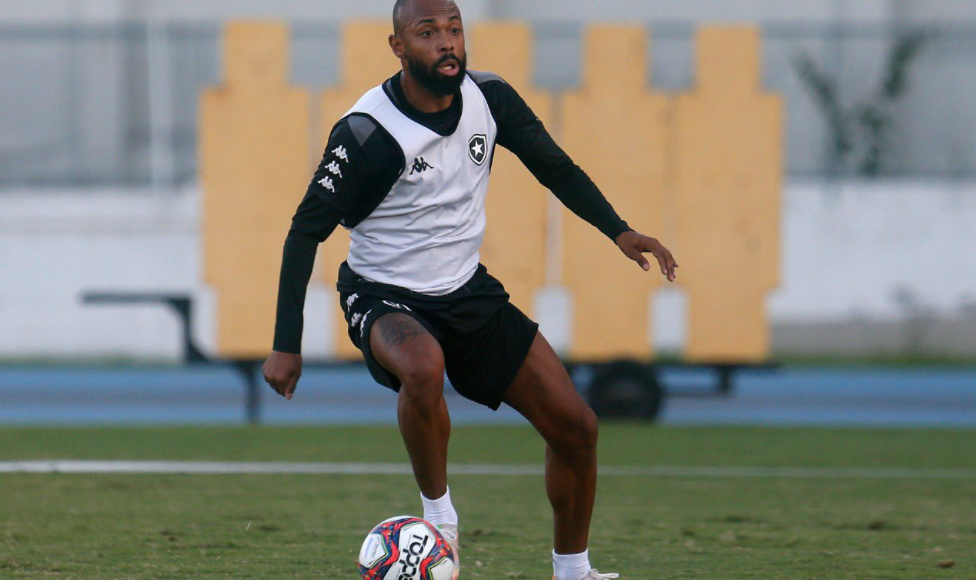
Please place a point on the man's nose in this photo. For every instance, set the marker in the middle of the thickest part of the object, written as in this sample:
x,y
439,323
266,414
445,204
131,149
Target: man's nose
x,y
447,43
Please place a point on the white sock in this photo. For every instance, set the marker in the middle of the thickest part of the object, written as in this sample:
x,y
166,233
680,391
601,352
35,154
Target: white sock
x,y
440,511
570,566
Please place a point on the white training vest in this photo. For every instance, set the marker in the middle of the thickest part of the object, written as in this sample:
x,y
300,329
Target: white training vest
x,y
426,234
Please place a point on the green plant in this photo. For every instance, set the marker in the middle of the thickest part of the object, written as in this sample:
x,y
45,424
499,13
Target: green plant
x,y
870,120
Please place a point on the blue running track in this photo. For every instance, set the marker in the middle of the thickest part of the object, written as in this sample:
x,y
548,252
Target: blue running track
x,y
928,397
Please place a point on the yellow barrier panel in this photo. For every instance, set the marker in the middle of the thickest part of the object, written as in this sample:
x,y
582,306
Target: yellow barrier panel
x,y
728,177
617,129
253,169
366,62
725,162
515,241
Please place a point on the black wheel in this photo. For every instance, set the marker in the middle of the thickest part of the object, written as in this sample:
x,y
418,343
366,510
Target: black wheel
x,y
625,390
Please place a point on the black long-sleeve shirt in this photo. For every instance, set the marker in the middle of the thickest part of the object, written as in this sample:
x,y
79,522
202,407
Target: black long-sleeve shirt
x,y
373,162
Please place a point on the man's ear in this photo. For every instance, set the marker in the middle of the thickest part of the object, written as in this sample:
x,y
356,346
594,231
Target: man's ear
x,y
396,45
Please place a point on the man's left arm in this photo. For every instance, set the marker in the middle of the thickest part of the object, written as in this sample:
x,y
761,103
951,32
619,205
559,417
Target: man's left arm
x,y
522,132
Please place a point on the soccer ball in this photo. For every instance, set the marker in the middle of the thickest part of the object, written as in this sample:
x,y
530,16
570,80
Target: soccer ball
x,y
406,548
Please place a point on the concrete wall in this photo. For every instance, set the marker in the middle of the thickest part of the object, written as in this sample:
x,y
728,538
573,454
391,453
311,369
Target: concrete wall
x,y
194,10
705,10
879,251
958,12
78,108
867,268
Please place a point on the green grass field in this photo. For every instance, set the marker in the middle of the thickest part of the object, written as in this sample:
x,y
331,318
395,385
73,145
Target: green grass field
x,y
310,526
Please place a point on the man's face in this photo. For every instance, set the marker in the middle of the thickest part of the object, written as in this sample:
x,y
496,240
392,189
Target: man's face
x,y
431,42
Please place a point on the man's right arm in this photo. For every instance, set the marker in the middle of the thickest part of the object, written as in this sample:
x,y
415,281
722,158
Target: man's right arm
x,y
284,366
358,162
340,175
326,203
314,221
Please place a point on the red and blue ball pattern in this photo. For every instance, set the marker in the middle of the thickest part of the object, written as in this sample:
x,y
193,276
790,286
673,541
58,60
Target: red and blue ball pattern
x,y
390,532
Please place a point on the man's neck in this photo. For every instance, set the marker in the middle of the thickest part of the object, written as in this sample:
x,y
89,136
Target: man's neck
x,y
422,98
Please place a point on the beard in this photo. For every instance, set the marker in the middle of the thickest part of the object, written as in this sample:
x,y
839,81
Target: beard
x,y
431,79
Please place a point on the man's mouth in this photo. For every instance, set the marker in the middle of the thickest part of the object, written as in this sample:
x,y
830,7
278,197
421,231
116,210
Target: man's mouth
x,y
449,68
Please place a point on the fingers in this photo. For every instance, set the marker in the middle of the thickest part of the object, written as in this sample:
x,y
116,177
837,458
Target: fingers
x,y
635,254
665,260
644,264
272,382
290,388
662,261
275,384
672,266
658,252
284,386
668,264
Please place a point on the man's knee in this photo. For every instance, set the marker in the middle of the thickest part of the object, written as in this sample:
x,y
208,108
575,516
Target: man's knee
x,y
404,347
587,429
426,369
578,436
422,380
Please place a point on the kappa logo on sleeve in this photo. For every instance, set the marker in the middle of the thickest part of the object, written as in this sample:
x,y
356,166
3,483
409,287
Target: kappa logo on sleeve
x,y
328,184
334,169
341,153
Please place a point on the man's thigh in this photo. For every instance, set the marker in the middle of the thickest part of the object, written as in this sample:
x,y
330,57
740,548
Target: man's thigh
x,y
482,363
544,393
404,347
404,340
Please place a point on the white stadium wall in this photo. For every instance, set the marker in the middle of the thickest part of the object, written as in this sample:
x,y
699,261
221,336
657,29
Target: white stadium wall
x,y
868,267
80,104
955,11
863,265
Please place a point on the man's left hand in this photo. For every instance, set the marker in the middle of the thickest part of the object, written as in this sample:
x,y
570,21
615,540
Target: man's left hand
x,y
633,245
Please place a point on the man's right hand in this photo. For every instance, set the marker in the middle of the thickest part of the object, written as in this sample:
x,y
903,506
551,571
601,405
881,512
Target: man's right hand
x,y
282,371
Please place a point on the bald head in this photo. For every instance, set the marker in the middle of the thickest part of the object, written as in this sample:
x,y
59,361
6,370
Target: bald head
x,y
406,12
428,38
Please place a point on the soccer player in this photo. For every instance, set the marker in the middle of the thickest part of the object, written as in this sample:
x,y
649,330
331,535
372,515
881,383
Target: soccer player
x,y
406,171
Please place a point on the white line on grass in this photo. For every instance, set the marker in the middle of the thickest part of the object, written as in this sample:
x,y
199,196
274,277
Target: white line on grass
x,y
209,467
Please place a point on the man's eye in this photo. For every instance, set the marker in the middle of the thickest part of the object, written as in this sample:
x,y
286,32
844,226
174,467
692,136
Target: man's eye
x,y
426,33
456,31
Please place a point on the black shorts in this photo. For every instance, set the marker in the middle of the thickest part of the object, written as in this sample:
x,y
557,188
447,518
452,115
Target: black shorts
x,y
485,338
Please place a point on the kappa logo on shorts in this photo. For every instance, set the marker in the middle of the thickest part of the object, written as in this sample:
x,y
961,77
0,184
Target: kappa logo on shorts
x,y
397,306
351,300
362,325
478,149
355,319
